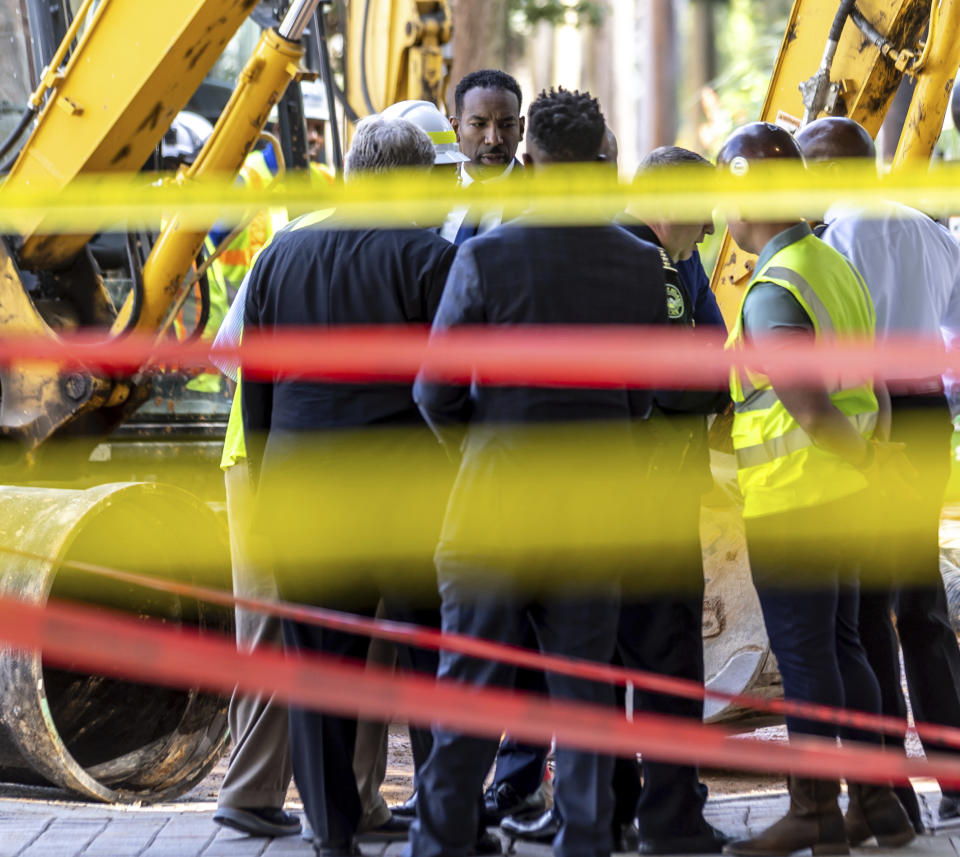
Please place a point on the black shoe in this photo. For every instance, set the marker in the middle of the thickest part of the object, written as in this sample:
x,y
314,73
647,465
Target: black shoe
x,y
908,797
350,850
487,843
407,809
502,800
625,837
392,830
949,807
708,841
264,821
543,828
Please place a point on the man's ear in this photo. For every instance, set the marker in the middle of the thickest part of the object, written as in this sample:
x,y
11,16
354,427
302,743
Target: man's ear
x,y
523,126
527,160
456,126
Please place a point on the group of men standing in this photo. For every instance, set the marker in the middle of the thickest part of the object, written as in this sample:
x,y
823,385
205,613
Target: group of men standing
x,y
427,481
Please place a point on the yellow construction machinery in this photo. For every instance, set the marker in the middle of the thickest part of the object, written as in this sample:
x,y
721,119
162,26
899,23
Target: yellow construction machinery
x,y
89,89
846,58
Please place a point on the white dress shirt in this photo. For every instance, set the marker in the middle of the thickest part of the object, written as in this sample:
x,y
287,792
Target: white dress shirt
x,y
490,220
910,263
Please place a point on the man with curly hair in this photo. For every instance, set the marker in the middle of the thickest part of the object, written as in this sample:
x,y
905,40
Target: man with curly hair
x,y
525,274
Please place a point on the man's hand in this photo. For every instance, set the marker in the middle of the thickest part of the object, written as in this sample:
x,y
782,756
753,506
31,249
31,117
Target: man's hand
x,y
890,471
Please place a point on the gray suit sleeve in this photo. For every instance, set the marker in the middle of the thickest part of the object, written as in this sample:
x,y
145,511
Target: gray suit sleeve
x,y
448,405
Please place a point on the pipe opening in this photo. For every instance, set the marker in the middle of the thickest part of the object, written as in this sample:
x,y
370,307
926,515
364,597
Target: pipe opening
x,y
127,735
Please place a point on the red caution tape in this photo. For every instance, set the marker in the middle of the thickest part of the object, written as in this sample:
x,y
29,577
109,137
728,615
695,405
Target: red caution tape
x,y
552,356
429,638
109,643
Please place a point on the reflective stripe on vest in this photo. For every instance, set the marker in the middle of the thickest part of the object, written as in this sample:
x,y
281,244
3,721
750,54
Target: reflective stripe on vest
x,y
793,441
779,466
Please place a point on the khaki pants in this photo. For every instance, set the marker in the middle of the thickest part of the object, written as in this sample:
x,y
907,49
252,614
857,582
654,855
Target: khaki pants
x,y
259,771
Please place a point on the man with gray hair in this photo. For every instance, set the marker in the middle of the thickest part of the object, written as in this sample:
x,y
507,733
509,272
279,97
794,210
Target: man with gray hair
x,y
310,445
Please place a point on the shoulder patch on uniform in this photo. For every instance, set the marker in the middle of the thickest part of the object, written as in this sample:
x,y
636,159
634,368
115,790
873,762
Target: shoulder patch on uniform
x,y
675,302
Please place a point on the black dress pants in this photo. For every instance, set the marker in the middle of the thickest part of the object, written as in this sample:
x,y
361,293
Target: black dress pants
x,y
804,567
663,633
905,579
322,745
581,627
522,765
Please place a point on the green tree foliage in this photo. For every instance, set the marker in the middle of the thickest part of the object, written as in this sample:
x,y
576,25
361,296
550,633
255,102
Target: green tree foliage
x,y
531,12
749,36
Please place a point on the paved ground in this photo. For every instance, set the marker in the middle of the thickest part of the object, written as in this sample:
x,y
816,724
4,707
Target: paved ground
x,y
52,828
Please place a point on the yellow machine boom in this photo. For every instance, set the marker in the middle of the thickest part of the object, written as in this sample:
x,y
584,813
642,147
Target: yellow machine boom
x,y
880,42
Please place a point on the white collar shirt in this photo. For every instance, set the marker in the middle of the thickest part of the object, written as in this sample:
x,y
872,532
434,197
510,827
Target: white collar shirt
x,y
490,220
910,264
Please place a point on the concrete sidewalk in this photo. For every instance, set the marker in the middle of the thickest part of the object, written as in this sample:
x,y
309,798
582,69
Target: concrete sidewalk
x,y
37,827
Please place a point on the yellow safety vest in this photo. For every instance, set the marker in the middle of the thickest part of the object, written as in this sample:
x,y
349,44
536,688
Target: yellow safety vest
x,y
779,466
227,271
234,442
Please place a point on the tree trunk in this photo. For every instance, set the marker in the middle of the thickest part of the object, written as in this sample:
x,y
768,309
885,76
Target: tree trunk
x,y
702,58
598,61
480,39
661,113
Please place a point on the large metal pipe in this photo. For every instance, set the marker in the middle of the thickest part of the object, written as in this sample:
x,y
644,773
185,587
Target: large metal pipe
x,y
104,738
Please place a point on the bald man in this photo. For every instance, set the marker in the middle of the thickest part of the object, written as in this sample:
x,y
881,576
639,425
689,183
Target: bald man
x,y
911,265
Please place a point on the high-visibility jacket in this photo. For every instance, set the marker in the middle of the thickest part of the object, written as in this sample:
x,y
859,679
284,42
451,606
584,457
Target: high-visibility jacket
x,y
779,466
231,266
226,272
234,442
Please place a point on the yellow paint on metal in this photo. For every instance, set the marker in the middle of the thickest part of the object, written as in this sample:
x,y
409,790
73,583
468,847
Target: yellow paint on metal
x,y
134,69
403,56
866,83
931,97
274,63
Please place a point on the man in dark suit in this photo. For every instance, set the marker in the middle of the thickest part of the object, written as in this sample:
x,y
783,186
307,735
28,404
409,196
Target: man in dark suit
x,y
350,485
489,128
491,584
662,631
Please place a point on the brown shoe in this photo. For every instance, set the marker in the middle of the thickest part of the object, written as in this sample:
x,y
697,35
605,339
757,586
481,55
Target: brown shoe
x,y
813,821
877,811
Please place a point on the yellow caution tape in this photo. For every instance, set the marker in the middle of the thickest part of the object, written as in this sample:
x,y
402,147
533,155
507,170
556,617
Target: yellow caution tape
x,y
342,512
559,196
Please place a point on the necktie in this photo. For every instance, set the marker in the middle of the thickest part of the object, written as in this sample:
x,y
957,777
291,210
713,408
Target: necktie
x,y
468,229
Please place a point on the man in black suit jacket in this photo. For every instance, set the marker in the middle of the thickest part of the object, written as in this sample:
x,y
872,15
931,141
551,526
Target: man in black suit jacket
x,y
520,274
351,487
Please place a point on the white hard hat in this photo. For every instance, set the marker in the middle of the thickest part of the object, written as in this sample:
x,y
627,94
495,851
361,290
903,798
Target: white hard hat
x,y
185,137
315,101
427,117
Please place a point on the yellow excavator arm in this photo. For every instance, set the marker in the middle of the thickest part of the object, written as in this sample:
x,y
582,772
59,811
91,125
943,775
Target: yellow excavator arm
x,y
845,58
395,52
104,102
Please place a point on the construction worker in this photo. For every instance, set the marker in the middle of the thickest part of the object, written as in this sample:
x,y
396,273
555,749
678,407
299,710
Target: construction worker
x,y
428,118
896,248
805,460
316,113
